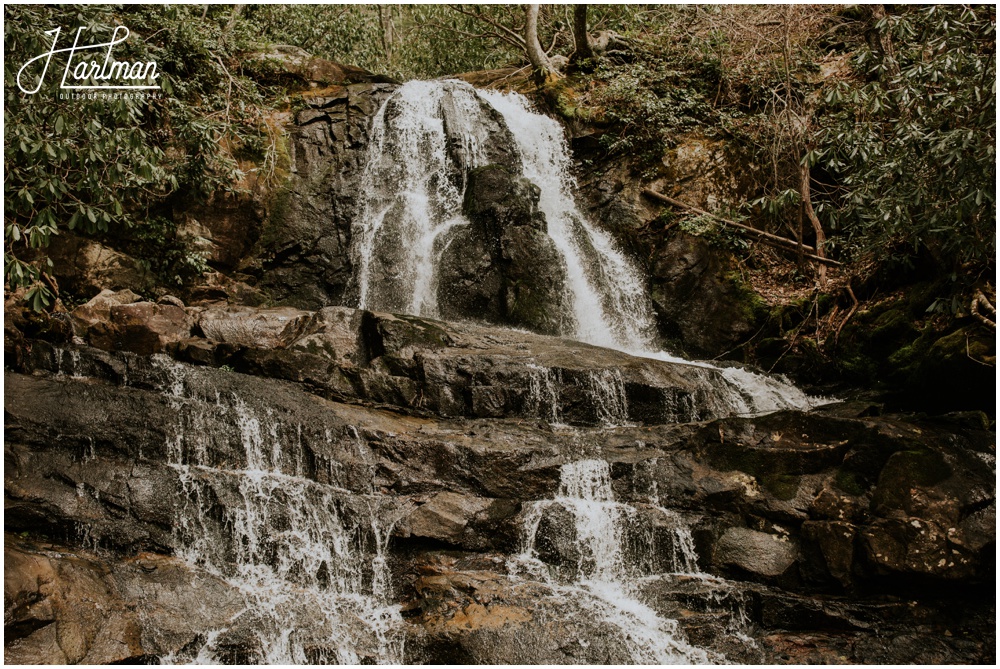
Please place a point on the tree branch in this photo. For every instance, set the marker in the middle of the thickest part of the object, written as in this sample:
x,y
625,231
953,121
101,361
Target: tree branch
x,y
766,237
485,19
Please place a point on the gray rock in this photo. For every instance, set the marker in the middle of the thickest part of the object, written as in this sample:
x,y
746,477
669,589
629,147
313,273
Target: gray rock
x,y
503,268
257,328
758,553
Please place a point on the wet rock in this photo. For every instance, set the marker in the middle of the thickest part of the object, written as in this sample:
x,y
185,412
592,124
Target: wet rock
x,y
462,520
502,268
444,517
468,610
699,298
763,555
302,256
257,328
94,441
835,542
334,333
556,538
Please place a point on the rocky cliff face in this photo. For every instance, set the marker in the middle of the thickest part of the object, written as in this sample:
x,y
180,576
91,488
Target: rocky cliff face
x,y
177,451
303,257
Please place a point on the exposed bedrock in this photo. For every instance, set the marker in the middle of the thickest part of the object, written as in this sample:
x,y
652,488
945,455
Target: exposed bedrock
x,y
814,533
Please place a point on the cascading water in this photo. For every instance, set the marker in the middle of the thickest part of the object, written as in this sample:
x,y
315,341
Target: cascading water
x,y
622,559
604,581
411,192
306,558
610,306
412,189
425,138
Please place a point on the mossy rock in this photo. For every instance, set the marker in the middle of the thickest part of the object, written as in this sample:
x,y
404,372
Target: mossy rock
x,y
847,481
905,471
782,486
892,326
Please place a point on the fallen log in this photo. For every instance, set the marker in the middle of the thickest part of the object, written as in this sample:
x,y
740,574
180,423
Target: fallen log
x,y
766,237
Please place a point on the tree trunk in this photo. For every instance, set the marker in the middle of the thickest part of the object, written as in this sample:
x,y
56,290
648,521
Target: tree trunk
x,y
583,50
817,226
540,63
233,18
388,31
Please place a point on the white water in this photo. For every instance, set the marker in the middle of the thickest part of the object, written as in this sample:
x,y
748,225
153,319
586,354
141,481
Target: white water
x,y
410,199
307,559
610,306
411,195
602,583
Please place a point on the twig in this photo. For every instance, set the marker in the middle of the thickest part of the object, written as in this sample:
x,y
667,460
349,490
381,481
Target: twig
x,y
854,307
795,336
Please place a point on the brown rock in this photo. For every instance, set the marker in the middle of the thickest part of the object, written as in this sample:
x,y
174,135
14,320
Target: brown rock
x,y
98,309
915,546
68,606
835,541
444,517
145,327
300,63
85,267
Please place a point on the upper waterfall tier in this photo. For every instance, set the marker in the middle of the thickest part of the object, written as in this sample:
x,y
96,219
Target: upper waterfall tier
x,y
434,237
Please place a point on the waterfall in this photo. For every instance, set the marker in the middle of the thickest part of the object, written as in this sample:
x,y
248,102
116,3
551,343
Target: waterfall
x,y
603,582
411,192
610,306
424,140
607,389
307,558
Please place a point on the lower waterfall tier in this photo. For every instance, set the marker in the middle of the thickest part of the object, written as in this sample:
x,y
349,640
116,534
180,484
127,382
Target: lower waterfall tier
x,y
407,490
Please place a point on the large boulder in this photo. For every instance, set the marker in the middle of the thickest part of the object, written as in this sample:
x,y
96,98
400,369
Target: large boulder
x,y
121,321
98,309
295,63
764,555
701,301
84,267
503,268
260,328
